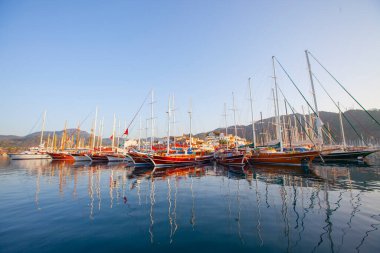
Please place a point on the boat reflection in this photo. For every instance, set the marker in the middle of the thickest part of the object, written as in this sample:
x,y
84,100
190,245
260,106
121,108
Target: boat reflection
x,y
247,198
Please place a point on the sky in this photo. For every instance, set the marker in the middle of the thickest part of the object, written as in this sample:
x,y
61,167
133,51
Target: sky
x,y
69,57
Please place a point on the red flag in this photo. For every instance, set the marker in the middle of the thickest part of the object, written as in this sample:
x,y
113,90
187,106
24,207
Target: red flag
x,y
126,131
111,137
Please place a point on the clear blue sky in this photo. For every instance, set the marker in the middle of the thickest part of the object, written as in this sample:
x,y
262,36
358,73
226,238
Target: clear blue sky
x,y
70,56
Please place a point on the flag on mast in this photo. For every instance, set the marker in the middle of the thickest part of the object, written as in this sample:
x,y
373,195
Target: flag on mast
x,y
126,131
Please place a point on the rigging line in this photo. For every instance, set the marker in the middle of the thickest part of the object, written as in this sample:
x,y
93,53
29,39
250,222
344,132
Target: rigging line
x,y
303,128
141,106
35,124
291,108
339,110
377,122
323,125
296,87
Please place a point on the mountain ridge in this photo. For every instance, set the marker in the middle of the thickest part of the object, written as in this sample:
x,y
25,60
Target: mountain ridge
x,y
358,118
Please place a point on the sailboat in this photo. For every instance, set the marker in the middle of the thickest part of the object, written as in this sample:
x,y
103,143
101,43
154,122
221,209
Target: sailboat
x,y
34,152
79,156
231,157
115,156
99,156
140,159
270,156
62,155
345,154
171,160
144,159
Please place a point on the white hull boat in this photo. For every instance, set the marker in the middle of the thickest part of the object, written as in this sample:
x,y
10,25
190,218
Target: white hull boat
x,y
28,156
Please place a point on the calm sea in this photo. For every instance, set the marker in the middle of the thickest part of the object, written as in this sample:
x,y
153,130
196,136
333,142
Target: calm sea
x,y
59,207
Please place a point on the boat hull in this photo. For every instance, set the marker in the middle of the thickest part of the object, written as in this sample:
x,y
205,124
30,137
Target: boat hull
x,y
96,158
22,156
204,158
141,159
61,157
344,156
288,159
81,157
230,160
116,158
173,160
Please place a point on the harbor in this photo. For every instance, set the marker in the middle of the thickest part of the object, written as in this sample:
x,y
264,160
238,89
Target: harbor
x,y
189,126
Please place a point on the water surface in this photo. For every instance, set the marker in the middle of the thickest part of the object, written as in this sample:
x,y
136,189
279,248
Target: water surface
x,y
47,206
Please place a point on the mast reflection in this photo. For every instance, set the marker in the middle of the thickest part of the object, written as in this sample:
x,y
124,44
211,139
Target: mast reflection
x,y
301,200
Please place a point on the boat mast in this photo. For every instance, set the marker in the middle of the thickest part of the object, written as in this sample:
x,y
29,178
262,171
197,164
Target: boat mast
x,y
113,131
118,137
275,112
253,123
174,122
342,128
140,135
234,109
54,142
262,129
152,121
96,119
168,139
278,123
225,121
63,140
146,134
318,124
296,133
190,125
101,134
43,128
78,137
288,129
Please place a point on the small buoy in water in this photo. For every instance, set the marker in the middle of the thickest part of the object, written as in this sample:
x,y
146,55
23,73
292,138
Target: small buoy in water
x,y
125,199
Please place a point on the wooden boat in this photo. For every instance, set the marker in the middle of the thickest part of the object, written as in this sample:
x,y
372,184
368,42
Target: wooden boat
x,y
99,158
283,158
115,157
60,156
80,157
204,158
230,158
349,156
141,159
173,160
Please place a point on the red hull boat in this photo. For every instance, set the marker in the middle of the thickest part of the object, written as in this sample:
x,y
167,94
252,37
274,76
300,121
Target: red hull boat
x,y
230,158
204,158
173,160
99,158
141,159
61,157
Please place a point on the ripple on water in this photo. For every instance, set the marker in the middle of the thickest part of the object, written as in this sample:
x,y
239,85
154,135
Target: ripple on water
x,y
58,207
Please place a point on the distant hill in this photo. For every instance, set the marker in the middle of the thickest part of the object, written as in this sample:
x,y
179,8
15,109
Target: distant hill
x,y
359,119
363,124
30,140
